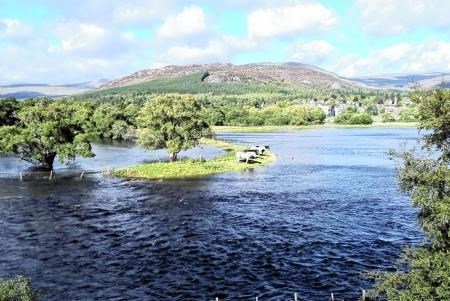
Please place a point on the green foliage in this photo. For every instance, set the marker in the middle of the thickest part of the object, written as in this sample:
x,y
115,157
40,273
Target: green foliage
x,y
353,118
425,175
386,117
8,110
48,128
171,122
116,121
408,115
372,109
18,289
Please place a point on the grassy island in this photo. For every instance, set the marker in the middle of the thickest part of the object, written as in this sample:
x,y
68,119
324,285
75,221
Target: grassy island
x,y
196,167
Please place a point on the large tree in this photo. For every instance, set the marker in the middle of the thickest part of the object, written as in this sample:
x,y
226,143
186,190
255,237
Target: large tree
x,y
45,129
425,174
171,122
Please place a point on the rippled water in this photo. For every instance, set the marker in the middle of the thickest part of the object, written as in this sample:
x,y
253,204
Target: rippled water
x,y
313,222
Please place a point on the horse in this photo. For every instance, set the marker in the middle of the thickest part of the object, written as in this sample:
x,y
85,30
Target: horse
x,y
244,156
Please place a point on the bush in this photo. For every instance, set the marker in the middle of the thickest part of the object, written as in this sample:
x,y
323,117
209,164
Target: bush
x,y
18,289
361,118
386,117
353,118
408,115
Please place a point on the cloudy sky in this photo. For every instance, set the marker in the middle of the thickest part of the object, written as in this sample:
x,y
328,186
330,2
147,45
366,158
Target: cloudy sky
x,y
57,41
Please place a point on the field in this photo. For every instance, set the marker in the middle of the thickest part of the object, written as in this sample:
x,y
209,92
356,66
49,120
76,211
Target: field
x,y
197,168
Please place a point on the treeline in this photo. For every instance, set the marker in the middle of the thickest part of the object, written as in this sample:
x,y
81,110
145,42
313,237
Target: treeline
x,y
269,115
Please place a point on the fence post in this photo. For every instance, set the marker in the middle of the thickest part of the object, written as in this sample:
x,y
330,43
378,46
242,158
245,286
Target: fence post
x,y
51,174
81,177
21,178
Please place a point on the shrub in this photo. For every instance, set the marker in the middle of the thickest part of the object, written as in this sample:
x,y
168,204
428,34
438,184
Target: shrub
x,y
386,117
408,115
361,118
18,289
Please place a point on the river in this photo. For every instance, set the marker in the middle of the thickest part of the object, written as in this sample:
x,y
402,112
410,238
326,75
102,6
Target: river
x,y
313,222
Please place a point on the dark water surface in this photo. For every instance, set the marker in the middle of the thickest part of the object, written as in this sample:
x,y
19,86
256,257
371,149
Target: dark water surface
x,y
313,222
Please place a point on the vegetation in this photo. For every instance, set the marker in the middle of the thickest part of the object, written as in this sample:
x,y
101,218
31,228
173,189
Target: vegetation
x,y
253,104
352,117
45,129
116,121
409,115
18,289
171,122
195,168
424,272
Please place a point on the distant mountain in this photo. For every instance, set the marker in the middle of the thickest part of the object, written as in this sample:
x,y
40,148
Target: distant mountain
x,y
406,81
263,73
284,73
27,90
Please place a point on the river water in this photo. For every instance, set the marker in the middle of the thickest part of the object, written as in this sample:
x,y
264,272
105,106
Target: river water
x,y
313,222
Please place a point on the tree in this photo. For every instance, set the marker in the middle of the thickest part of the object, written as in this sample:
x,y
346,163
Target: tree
x,y
425,175
46,129
171,122
18,289
8,110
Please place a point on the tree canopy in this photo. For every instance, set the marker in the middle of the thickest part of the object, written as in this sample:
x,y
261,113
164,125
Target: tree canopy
x,y
425,175
45,129
171,122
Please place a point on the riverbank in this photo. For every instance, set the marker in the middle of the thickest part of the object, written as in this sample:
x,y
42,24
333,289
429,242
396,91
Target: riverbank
x,y
197,167
291,128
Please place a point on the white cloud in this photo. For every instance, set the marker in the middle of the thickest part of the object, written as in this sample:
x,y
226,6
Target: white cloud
x,y
291,19
218,50
428,56
400,16
14,29
140,11
191,20
312,52
82,36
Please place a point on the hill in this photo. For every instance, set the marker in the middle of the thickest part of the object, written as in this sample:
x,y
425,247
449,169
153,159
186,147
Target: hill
x,y
252,74
28,90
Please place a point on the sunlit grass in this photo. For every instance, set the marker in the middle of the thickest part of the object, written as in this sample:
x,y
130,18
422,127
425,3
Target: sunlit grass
x,y
197,168
287,128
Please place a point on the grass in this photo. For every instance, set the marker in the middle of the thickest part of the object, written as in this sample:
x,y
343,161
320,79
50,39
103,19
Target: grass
x,y
196,168
289,128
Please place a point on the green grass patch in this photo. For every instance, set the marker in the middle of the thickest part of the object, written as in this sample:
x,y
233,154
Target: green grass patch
x,y
197,168
289,128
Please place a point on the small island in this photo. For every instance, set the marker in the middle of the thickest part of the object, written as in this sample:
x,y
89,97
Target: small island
x,y
197,167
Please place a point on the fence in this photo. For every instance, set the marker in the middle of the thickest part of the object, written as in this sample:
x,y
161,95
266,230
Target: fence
x,y
52,175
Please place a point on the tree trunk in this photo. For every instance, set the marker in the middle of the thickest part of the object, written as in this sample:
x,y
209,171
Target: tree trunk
x,y
47,161
173,157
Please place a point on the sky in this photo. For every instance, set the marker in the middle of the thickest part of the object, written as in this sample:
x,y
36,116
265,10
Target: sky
x,y
55,41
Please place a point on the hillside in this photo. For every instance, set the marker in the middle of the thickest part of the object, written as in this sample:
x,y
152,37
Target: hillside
x,y
255,74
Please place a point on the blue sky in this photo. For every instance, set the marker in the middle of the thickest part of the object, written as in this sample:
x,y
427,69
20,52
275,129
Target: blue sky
x,y
71,41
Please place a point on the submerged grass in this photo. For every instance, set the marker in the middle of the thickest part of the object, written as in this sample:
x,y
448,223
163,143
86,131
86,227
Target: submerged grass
x,y
196,168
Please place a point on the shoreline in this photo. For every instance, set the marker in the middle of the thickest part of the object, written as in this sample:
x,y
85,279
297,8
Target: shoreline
x,y
195,168
293,128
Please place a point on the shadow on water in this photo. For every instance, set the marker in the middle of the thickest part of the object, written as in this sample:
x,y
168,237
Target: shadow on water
x,y
314,222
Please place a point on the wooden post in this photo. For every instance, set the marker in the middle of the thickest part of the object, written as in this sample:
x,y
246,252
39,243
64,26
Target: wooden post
x,y
21,178
295,297
363,297
256,299
332,297
51,174
82,174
